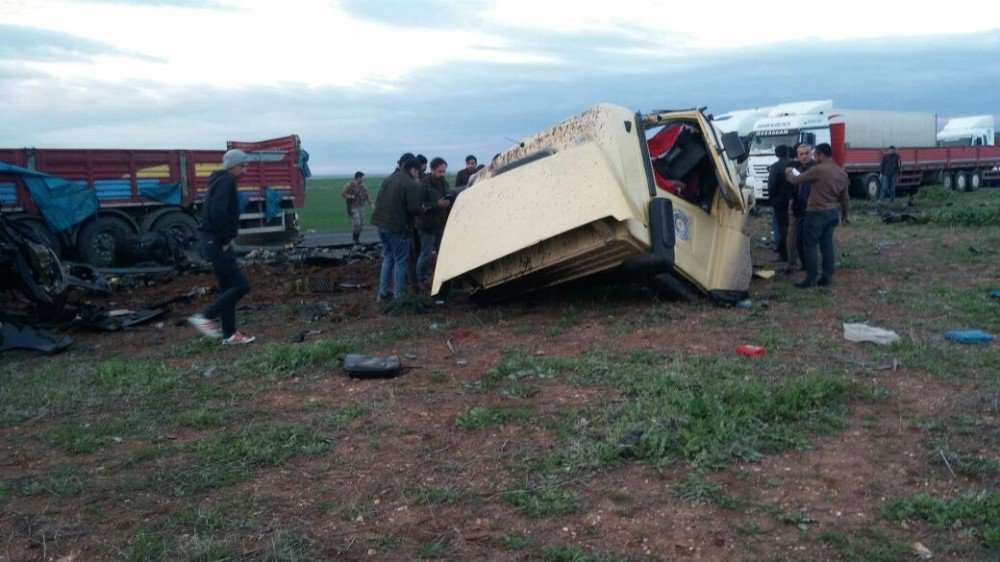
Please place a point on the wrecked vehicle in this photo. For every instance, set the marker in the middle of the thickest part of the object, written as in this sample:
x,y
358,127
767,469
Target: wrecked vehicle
x,y
653,196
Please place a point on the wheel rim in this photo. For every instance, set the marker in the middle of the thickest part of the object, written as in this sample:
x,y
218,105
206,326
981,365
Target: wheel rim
x,y
974,181
103,246
182,235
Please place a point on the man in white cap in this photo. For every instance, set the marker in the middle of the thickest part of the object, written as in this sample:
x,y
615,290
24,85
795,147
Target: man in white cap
x,y
220,221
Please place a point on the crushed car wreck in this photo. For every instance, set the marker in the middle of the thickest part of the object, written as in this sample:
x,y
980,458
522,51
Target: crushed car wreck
x,y
654,196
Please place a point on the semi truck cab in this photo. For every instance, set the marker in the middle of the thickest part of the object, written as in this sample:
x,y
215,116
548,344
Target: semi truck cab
x,y
788,124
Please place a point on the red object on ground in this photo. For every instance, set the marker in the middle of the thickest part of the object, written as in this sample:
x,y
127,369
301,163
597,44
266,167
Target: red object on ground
x,y
750,350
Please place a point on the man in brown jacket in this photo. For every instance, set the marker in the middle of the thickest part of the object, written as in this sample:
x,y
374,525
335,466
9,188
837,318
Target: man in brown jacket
x,y
828,191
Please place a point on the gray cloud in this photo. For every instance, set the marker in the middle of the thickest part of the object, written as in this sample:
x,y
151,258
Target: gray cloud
x,y
20,43
456,109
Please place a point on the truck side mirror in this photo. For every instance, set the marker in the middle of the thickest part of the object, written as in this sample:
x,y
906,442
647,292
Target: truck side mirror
x,y
734,147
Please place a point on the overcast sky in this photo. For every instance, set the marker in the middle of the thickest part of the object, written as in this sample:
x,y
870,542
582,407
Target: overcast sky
x,y
362,81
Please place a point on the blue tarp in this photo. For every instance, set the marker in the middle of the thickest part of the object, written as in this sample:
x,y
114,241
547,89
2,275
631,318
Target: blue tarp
x,y
168,193
63,203
244,201
304,163
272,203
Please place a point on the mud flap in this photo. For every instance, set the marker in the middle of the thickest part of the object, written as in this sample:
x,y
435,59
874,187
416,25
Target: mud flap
x,y
661,237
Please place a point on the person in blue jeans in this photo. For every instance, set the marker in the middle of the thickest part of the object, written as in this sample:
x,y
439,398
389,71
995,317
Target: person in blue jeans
x,y
430,225
828,190
399,200
889,168
220,222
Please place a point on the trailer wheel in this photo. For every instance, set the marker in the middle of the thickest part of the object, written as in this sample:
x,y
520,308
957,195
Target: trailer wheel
x,y
180,226
961,181
872,185
975,180
948,180
100,239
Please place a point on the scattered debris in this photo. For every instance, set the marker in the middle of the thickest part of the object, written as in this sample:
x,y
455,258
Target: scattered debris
x,y
409,356
764,273
301,336
969,336
891,217
922,551
995,295
745,303
975,250
860,332
462,362
18,336
750,350
368,367
97,318
628,444
311,312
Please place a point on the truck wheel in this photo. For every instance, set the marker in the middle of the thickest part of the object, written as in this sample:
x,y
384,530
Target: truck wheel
x,y
948,180
975,180
180,226
872,184
961,181
100,239
41,233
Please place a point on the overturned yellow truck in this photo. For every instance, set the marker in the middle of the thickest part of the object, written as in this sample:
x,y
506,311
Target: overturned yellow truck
x,y
654,196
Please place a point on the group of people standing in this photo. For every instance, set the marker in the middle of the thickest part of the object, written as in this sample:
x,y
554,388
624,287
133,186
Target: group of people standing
x,y
806,191
410,212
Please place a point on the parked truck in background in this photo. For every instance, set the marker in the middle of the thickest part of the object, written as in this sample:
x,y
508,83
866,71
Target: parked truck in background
x,y
968,131
859,140
741,121
85,201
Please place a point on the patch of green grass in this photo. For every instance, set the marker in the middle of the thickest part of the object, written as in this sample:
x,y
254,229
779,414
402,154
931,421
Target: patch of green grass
x,y
226,459
147,547
143,378
979,511
205,549
565,553
281,360
341,418
32,394
515,541
697,489
385,542
481,418
867,545
64,482
438,548
202,418
197,346
409,304
542,501
82,438
437,377
423,495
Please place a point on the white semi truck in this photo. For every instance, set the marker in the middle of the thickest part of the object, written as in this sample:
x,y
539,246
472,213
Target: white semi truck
x,y
858,139
968,131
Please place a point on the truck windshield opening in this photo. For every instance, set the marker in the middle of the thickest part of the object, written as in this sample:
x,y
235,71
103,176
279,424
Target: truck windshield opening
x,y
766,144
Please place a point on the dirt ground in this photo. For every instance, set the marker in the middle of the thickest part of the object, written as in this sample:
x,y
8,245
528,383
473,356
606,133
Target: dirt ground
x,y
361,498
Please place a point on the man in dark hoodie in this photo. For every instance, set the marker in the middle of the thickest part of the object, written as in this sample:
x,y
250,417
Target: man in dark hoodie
x,y
780,193
220,221
430,225
398,201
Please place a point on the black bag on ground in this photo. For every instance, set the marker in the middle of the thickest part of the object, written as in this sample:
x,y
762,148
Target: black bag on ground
x,y
367,367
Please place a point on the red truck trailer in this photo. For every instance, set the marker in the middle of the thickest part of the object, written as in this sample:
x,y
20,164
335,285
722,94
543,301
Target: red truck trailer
x,y
84,201
962,168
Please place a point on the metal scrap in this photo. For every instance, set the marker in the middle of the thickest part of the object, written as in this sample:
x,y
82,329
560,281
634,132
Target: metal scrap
x,y
14,335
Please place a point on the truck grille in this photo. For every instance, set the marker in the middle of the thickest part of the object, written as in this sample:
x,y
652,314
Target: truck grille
x,y
760,170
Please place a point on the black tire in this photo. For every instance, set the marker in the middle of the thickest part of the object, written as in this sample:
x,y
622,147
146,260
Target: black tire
x,y
100,240
872,185
672,288
961,180
948,180
975,180
180,226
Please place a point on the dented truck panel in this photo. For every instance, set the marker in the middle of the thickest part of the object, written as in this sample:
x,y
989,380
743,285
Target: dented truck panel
x,y
574,200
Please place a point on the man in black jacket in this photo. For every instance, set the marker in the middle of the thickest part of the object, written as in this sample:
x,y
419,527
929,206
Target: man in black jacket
x,y
398,201
430,225
780,193
889,167
220,221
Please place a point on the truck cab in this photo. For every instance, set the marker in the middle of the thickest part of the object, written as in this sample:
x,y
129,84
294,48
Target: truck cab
x,y
786,124
968,131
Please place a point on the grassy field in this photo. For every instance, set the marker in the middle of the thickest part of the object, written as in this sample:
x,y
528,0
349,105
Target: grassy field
x,y
598,424
325,208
